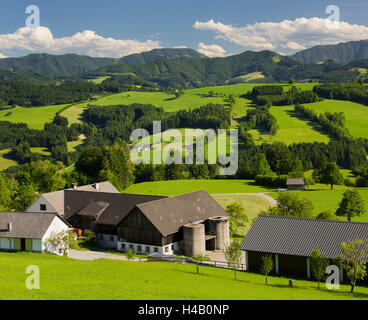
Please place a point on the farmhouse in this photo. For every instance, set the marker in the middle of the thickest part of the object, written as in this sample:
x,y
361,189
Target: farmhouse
x,y
291,241
191,223
100,212
24,231
296,184
53,202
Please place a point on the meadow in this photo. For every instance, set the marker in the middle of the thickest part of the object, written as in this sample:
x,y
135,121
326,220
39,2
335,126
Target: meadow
x,y
35,118
356,114
66,279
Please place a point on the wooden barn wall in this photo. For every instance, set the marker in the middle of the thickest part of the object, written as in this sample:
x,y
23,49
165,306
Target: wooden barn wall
x,y
293,265
255,261
136,228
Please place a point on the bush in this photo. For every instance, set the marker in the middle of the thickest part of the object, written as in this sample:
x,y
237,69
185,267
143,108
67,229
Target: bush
x,y
272,181
89,235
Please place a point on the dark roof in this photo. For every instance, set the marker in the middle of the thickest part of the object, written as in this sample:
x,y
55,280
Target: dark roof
x,y
298,236
169,214
25,224
94,209
295,182
119,204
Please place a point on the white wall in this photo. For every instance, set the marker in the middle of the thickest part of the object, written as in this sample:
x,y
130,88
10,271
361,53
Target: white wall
x,y
35,206
166,250
57,225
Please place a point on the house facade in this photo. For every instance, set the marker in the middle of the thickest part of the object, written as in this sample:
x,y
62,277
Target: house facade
x,y
22,231
291,241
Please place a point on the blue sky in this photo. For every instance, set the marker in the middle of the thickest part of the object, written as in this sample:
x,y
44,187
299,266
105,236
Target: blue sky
x,y
215,27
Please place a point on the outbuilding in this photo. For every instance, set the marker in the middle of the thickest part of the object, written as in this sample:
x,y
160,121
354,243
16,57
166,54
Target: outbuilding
x,y
26,231
291,241
296,184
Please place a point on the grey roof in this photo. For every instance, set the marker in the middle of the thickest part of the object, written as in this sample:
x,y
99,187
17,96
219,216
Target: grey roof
x,y
25,224
94,209
120,204
298,236
169,214
56,199
295,182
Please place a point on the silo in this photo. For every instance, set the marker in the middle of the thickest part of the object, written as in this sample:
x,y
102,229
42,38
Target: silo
x,y
194,240
219,226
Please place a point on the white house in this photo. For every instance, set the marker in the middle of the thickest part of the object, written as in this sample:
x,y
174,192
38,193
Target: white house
x,y
53,202
26,231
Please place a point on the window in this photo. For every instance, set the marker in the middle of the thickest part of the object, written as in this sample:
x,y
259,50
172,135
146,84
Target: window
x,y
139,248
123,247
155,249
166,249
172,247
148,249
131,247
42,207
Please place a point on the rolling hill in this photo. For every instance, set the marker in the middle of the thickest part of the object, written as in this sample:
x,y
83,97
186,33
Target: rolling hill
x,y
73,64
342,52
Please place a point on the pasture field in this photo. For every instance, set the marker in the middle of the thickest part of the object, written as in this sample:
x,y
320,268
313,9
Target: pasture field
x,y
291,129
41,150
356,114
124,280
176,187
74,114
329,200
35,118
6,162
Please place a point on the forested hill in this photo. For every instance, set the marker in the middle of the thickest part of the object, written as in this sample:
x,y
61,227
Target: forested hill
x,y
73,64
22,76
250,66
342,52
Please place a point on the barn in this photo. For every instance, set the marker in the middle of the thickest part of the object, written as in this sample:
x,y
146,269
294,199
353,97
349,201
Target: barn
x,y
296,184
291,241
191,223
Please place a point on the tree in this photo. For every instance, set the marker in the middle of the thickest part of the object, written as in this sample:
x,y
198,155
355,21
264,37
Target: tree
x,y
130,254
280,158
267,265
237,218
318,263
5,196
179,91
61,242
351,205
23,197
262,167
330,174
90,161
291,205
326,215
233,254
89,235
353,257
117,166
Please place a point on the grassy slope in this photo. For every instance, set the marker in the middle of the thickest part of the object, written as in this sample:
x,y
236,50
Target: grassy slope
x,y
6,162
170,188
356,114
329,200
63,278
34,117
291,129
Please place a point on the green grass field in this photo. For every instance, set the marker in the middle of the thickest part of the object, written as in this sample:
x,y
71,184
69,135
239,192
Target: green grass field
x,y
6,162
329,200
291,129
356,114
35,118
66,279
175,187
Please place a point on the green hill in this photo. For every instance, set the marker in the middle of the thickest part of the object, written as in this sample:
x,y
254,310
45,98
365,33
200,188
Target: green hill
x,y
342,52
73,64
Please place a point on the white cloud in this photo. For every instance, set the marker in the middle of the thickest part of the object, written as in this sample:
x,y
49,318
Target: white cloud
x,y
290,35
211,51
87,42
2,56
180,47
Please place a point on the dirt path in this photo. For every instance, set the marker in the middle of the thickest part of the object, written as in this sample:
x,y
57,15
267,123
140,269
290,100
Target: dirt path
x,y
94,255
263,195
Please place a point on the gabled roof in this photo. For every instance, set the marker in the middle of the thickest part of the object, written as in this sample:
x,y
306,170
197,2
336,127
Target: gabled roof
x,y
299,236
56,199
26,224
295,182
170,214
94,209
76,201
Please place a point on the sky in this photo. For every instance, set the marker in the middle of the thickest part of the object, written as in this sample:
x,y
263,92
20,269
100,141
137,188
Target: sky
x,y
115,28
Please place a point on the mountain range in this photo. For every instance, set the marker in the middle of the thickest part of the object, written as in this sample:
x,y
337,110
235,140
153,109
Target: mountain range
x,y
344,62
